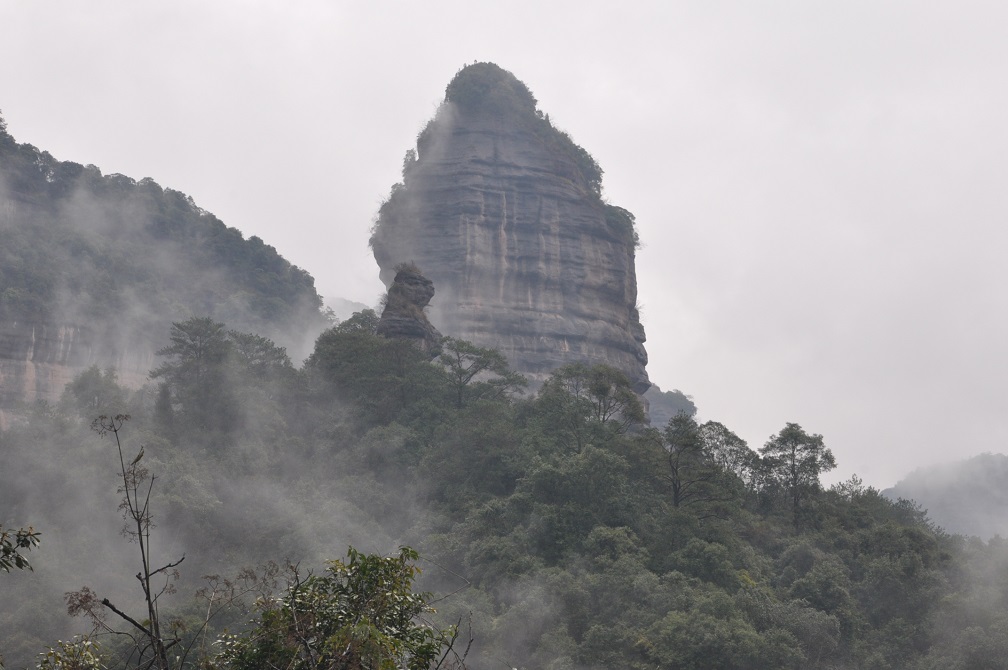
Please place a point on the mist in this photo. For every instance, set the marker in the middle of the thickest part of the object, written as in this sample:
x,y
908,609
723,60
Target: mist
x,y
817,190
224,499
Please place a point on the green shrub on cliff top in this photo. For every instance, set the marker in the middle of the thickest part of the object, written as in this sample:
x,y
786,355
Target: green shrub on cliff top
x,y
486,88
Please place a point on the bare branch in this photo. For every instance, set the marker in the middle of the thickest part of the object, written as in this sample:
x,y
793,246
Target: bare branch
x,y
127,617
168,567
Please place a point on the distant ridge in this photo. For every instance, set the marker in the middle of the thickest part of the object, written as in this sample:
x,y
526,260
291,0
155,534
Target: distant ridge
x,y
968,497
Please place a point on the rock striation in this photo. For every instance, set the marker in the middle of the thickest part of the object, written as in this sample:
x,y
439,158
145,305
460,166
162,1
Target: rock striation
x,y
37,361
403,317
504,212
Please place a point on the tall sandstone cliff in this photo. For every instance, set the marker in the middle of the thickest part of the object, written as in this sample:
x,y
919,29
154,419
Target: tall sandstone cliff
x,y
503,212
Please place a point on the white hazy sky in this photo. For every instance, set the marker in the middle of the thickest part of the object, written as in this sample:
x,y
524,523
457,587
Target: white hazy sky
x,y
820,187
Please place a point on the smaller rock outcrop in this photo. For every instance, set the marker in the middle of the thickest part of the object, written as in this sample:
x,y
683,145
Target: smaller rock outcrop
x,y
403,317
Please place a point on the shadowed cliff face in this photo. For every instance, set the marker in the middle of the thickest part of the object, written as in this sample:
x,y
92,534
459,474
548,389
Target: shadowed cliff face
x,y
503,213
403,316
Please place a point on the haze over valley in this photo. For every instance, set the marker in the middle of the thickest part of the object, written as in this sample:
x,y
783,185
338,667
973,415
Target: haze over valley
x,y
660,337
816,189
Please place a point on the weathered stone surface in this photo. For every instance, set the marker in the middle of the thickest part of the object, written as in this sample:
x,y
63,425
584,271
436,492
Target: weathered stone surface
x,y
37,361
403,316
503,213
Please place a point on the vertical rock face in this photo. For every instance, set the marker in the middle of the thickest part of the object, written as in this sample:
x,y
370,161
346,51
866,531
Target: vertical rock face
x,y
403,316
504,214
37,361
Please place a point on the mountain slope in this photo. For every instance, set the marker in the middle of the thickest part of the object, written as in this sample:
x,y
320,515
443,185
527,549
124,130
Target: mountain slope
x,y
969,497
94,267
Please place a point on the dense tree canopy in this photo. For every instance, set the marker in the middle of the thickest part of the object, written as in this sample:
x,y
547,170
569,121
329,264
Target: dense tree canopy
x,y
477,372
363,613
574,534
122,258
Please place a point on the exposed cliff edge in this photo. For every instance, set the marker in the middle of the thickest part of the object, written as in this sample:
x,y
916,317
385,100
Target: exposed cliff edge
x,y
403,317
94,269
37,361
504,213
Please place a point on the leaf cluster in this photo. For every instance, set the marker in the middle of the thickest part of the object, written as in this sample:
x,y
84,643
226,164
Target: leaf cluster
x,y
13,543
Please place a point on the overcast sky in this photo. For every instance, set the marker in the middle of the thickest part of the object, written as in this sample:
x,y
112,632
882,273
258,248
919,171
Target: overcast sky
x,y
820,188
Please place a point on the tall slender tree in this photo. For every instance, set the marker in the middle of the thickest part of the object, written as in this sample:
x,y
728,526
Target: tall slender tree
x,y
795,459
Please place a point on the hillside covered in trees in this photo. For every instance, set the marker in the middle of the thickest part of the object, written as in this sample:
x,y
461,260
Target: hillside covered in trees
x,y
564,531
116,260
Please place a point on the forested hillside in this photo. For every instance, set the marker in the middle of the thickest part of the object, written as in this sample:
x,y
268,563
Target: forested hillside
x,y
565,532
121,259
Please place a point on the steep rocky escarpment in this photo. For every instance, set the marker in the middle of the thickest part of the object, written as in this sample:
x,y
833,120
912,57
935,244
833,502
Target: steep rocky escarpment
x,y
504,213
38,361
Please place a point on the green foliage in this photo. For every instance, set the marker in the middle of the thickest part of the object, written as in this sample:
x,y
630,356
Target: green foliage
x,y
122,258
363,613
693,474
258,355
584,404
550,516
80,653
478,456
621,222
12,543
213,380
196,373
364,321
793,460
703,641
477,372
381,377
94,392
486,87
729,452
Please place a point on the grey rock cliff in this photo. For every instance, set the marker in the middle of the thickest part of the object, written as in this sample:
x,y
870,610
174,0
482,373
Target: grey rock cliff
x,y
37,361
403,316
504,214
